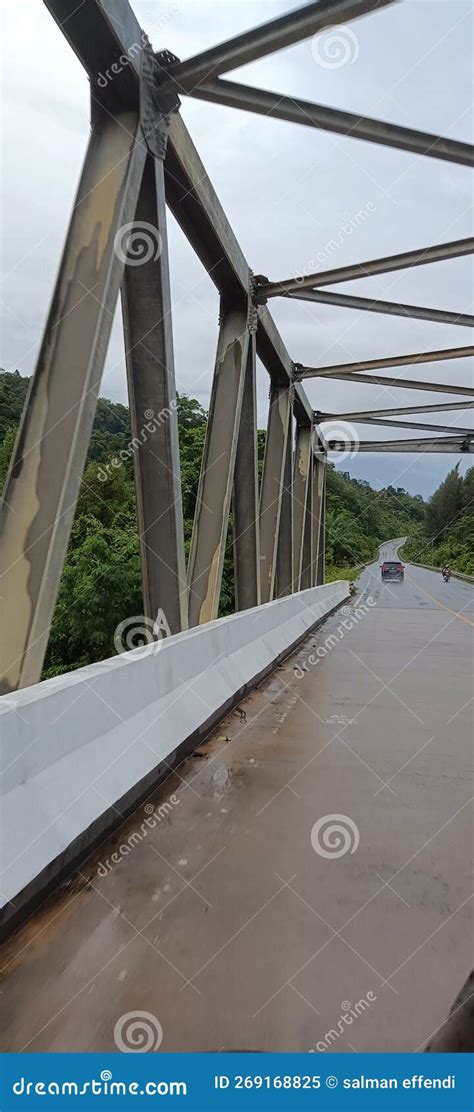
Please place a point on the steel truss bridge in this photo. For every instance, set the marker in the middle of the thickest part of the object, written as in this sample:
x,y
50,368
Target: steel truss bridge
x,y
140,160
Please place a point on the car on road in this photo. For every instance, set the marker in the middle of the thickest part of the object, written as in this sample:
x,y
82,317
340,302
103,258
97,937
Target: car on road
x,y
392,569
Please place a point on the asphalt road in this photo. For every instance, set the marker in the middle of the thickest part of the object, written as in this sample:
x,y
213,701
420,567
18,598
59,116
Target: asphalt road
x,y
420,588
313,863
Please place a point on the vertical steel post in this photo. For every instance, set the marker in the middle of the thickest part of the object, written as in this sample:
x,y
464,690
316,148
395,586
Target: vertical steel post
x,y
307,568
272,484
245,495
322,538
217,469
319,515
149,354
51,448
284,568
300,496
315,516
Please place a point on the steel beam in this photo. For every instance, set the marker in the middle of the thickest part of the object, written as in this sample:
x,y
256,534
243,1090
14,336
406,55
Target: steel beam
x,y
416,312
101,31
284,569
438,444
388,361
421,257
315,515
280,367
245,497
149,355
197,209
322,537
211,517
267,38
51,448
301,485
307,568
379,413
272,485
422,425
294,110
319,511
406,383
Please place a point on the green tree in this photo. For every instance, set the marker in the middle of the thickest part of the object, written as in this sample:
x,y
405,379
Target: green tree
x,y
6,449
445,505
13,390
446,534
101,582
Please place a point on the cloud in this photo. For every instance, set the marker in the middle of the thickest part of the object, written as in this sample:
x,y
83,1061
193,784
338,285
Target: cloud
x,y
286,189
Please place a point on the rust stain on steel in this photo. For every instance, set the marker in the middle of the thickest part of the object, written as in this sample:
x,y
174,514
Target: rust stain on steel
x,y
217,471
17,605
320,479
303,461
47,441
233,354
277,476
207,611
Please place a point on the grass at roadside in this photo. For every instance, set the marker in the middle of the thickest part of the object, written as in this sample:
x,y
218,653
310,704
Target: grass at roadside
x,y
459,557
345,572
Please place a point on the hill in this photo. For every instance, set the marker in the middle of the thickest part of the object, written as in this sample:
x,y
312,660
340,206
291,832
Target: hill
x,y
446,534
101,582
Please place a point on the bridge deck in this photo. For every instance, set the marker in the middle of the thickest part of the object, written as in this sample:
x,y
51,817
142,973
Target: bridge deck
x,y
224,922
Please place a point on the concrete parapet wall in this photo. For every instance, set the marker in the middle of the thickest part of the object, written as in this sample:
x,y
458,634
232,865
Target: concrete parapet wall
x,y
80,750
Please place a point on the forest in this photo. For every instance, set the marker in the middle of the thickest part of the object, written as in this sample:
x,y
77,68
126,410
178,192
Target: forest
x,y
101,581
446,533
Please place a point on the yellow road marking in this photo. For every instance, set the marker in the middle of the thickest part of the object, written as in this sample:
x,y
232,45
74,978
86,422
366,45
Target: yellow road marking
x,y
442,604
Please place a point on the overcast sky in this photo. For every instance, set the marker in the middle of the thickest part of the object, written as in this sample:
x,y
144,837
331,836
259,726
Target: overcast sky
x,y
287,190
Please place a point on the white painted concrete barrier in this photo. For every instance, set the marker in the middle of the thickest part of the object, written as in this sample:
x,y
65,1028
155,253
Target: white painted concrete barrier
x,y
79,747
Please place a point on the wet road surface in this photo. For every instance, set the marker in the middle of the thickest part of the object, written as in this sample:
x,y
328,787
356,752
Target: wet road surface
x,y
421,587
311,862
